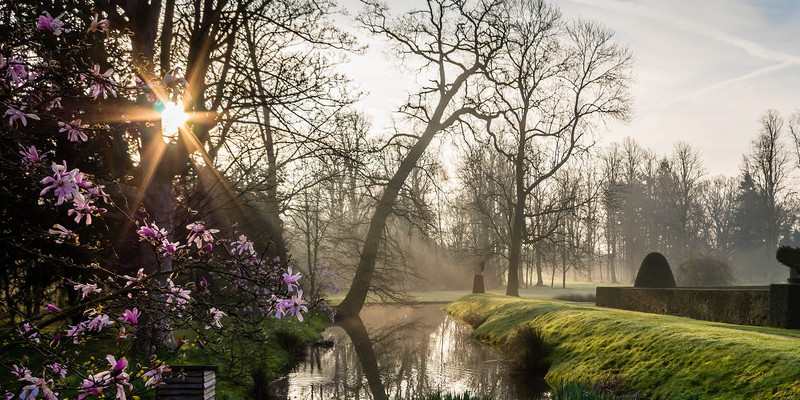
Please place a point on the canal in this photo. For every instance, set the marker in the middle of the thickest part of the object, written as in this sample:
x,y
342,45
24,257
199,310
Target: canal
x,y
403,353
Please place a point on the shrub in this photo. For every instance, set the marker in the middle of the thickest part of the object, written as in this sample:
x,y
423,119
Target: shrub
x,y
655,272
705,271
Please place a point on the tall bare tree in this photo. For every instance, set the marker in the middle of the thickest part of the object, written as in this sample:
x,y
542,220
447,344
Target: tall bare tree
x,y
688,170
767,164
555,79
613,200
454,41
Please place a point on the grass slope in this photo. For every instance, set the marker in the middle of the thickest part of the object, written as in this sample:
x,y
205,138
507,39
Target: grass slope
x,y
657,356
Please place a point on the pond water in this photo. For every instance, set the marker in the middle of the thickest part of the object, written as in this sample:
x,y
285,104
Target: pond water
x,y
401,353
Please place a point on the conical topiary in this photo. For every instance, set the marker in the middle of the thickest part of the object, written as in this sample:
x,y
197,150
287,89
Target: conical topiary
x,y
655,272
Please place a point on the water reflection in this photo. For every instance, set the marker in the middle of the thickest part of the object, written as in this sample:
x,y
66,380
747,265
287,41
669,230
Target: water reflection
x,y
402,353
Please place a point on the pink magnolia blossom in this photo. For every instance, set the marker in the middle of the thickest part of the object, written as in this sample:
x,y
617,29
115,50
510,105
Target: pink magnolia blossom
x,y
98,25
216,316
73,130
171,78
94,385
53,308
63,184
29,332
48,23
14,115
117,365
243,246
76,331
140,275
20,371
58,369
98,322
290,279
86,209
151,231
168,248
118,377
56,339
32,156
37,386
177,295
295,305
16,71
199,234
154,376
130,316
101,82
203,284
62,232
97,192
87,288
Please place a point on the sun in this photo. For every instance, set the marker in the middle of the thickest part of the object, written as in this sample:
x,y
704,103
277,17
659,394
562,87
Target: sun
x,y
172,118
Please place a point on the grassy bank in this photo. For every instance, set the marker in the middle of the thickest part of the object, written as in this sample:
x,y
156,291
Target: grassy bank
x,y
654,355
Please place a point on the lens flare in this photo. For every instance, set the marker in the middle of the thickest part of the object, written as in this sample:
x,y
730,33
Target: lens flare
x,y
172,118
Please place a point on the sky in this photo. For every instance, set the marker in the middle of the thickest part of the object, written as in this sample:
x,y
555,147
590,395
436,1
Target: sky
x,y
704,71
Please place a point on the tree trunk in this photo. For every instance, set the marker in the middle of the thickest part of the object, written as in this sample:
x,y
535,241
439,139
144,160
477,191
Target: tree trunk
x,y
512,289
354,300
539,280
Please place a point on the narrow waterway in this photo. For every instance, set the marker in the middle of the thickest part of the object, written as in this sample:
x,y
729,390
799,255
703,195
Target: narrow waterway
x,y
401,353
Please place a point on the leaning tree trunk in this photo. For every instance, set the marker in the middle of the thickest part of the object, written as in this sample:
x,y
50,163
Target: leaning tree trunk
x,y
354,300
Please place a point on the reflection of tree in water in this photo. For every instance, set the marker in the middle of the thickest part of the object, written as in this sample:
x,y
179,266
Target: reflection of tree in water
x,y
408,354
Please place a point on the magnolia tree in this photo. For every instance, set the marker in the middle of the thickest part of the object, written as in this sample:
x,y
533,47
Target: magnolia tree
x,y
71,315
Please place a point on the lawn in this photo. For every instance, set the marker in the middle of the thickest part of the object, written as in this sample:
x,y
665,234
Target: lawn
x,y
656,356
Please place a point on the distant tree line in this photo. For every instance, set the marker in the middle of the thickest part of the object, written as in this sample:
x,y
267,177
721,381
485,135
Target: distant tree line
x,y
604,212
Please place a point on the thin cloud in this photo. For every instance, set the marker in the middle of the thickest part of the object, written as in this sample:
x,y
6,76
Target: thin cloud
x,y
782,60
680,21
722,84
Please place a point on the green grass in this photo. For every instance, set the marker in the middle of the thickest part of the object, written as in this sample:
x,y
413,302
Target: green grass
x,y
656,356
577,391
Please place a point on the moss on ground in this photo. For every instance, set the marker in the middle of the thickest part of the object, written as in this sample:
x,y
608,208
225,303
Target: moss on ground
x,y
656,356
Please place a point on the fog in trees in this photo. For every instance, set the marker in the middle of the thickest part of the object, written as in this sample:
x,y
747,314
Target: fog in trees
x,y
500,164
499,161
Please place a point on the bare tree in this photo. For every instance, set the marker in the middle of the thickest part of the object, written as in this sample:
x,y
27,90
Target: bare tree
x,y
719,204
688,170
767,165
453,40
555,79
613,200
